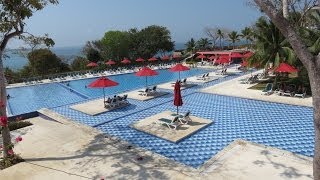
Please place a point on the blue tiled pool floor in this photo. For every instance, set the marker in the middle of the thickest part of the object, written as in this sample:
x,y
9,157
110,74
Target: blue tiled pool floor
x,y
282,126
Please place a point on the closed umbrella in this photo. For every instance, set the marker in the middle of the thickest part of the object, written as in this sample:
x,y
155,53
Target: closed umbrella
x,y
103,82
177,96
146,71
178,68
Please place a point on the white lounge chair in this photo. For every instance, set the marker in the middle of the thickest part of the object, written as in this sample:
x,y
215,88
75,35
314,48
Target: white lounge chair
x,y
185,119
171,124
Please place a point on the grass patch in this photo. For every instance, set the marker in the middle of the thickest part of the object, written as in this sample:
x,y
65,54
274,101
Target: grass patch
x,y
13,125
259,86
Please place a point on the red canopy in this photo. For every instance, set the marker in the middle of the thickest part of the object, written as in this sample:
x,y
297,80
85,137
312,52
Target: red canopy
x,y
92,64
248,54
212,57
146,71
126,61
236,55
110,62
284,67
103,82
152,59
165,58
201,56
177,96
179,67
139,60
222,60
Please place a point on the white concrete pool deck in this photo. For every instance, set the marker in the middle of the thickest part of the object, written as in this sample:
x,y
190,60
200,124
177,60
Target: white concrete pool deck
x,y
235,88
67,150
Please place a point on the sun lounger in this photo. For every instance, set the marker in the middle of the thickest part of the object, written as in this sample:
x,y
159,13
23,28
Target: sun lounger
x,y
203,77
171,124
183,82
301,92
185,119
268,89
153,89
146,92
289,91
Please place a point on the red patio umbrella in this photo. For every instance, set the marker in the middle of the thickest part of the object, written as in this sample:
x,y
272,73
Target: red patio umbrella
x,y
152,59
175,56
103,82
125,61
165,58
146,71
178,68
110,62
285,68
92,64
177,96
139,60
236,55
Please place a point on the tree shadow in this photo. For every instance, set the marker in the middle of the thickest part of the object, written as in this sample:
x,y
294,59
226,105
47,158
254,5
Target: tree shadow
x,y
287,171
128,161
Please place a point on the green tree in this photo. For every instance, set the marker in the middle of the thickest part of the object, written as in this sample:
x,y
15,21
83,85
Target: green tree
x,y
246,34
310,58
271,45
116,44
93,55
233,38
79,63
203,43
191,45
221,35
44,62
152,40
13,16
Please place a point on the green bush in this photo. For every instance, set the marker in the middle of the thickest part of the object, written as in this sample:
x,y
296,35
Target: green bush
x,y
10,161
18,124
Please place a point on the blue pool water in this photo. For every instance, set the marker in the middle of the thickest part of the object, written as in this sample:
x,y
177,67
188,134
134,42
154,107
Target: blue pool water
x,y
282,126
31,98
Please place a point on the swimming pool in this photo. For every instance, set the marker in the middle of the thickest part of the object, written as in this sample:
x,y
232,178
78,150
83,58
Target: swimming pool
x,y
278,125
31,98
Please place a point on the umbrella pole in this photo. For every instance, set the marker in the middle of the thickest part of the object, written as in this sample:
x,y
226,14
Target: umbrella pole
x,y
177,110
179,75
104,96
146,81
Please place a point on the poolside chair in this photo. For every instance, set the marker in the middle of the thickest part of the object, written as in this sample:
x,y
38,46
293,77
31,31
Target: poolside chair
x,y
268,89
185,119
109,103
203,77
146,92
171,124
289,91
153,90
280,89
301,92
183,82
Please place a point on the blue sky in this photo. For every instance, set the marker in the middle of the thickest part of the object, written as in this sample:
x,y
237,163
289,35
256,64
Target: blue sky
x,y
73,22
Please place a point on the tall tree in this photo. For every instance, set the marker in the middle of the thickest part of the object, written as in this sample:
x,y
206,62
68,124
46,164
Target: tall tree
x,y
116,44
233,37
246,34
221,35
309,58
212,34
13,16
191,45
203,43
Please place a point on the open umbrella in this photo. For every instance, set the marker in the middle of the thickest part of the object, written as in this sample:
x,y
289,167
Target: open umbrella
x,y
165,58
103,82
176,56
152,59
139,60
177,96
125,61
146,71
178,68
286,68
92,64
110,62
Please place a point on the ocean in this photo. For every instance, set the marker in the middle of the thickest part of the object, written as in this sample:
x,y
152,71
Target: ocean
x,y
15,61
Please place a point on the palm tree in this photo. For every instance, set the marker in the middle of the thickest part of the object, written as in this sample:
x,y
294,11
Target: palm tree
x,y
220,34
191,45
246,33
233,37
203,43
271,45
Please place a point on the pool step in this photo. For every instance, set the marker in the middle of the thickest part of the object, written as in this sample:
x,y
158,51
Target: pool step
x,y
54,116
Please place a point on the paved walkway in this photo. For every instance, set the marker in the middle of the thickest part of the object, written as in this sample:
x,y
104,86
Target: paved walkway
x,y
66,150
235,88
